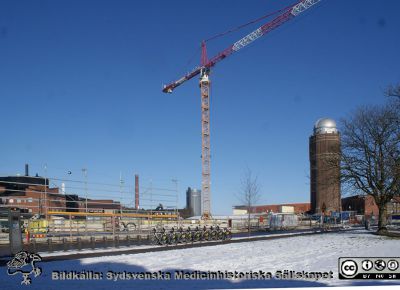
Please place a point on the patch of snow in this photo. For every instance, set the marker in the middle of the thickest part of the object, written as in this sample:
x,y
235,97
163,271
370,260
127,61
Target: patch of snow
x,y
142,247
317,253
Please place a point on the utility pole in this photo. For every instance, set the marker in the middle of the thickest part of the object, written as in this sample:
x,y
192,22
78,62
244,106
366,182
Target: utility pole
x,y
136,192
45,191
84,170
151,202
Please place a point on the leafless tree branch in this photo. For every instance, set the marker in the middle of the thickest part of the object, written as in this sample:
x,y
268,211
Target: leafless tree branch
x,y
249,193
370,153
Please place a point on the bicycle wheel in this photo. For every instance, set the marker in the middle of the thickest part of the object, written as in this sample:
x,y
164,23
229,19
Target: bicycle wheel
x,y
228,235
164,239
197,236
174,238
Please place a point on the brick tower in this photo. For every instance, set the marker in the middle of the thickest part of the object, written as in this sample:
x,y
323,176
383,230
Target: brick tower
x,y
325,170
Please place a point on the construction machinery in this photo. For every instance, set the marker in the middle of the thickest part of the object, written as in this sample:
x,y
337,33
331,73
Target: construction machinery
x,y
203,70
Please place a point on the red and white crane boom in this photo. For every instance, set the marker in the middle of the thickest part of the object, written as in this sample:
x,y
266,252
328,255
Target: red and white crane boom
x,y
289,13
204,70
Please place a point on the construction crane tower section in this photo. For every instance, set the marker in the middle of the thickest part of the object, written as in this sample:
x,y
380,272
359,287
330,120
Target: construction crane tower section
x,y
205,140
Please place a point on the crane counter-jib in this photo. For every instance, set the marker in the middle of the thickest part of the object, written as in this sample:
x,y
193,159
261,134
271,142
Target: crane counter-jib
x,y
289,13
170,87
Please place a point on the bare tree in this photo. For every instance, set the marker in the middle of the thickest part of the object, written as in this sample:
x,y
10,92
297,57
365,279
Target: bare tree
x,y
249,193
370,154
393,91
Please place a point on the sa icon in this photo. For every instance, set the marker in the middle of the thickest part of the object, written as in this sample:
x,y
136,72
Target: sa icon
x,y
349,268
393,265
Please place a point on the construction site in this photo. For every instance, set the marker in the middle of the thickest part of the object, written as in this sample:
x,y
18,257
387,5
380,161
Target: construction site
x,y
56,213
41,218
65,216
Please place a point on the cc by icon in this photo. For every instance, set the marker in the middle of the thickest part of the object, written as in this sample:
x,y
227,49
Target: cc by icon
x,y
349,268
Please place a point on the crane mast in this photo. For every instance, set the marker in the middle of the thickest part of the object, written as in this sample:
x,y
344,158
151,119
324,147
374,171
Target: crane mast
x,y
204,71
205,142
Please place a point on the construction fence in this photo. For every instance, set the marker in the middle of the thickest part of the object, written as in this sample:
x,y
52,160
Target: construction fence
x,y
82,214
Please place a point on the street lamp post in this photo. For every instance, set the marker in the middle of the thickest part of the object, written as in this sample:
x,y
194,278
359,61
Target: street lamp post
x,y
45,191
175,181
84,170
121,184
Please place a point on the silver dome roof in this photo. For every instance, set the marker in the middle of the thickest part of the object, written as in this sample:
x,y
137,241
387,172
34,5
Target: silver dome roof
x,y
325,125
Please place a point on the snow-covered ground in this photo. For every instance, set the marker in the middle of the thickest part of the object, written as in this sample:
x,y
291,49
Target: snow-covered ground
x,y
316,253
143,247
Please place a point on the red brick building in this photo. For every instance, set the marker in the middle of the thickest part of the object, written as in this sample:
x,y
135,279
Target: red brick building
x,y
365,205
33,195
298,208
103,205
360,204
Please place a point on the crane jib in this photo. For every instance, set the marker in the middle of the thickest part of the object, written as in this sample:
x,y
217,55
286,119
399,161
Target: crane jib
x,y
247,39
302,6
295,10
290,12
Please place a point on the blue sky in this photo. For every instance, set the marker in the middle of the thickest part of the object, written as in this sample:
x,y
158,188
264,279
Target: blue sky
x,y
80,87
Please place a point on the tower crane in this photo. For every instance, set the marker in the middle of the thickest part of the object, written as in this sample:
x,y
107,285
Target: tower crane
x,y
203,70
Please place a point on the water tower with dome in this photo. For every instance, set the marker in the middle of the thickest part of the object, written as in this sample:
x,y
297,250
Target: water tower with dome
x,y
325,170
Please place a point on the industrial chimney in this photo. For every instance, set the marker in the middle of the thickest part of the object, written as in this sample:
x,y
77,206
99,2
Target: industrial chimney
x,y
136,191
26,169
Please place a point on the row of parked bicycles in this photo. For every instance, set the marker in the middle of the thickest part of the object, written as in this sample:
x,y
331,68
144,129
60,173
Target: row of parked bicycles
x,y
163,236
